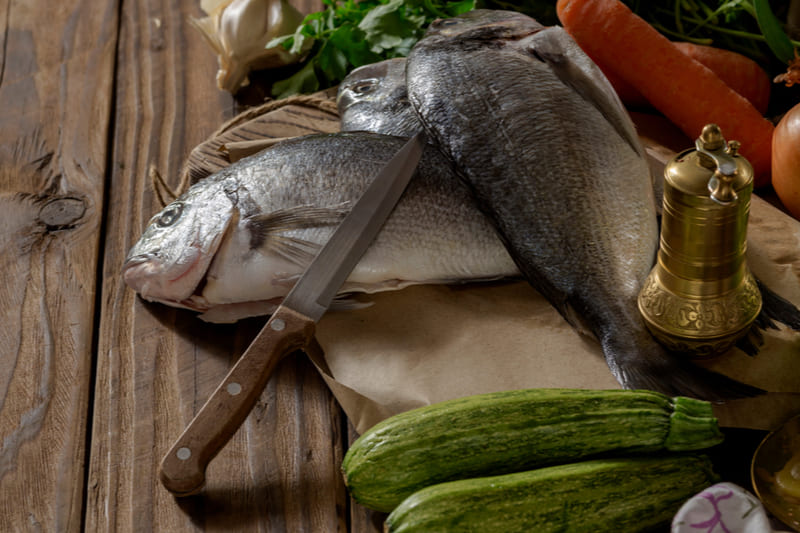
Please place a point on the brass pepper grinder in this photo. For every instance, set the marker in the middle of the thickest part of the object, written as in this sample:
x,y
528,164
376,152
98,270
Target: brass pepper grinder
x,y
700,298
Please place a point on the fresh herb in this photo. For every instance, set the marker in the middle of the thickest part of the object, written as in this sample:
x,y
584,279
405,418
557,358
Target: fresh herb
x,y
775,37
348,34
748,27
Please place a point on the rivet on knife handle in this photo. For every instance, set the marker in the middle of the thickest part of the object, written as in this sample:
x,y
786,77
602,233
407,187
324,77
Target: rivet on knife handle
x,y
183,468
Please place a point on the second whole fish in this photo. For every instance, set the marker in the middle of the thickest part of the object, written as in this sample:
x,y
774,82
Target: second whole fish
x,y
550,155
235,243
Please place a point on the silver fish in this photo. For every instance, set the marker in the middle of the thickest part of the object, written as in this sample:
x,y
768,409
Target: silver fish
x,y
234,244
374,98
552,158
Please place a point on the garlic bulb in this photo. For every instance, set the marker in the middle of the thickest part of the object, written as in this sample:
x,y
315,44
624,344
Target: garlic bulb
x,y
238,31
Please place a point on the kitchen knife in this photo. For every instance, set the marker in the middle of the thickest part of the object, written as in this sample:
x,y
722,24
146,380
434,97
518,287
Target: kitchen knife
x,y
290,328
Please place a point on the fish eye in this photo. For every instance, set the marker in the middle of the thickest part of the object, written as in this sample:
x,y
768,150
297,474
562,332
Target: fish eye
x,y
364,87
170,215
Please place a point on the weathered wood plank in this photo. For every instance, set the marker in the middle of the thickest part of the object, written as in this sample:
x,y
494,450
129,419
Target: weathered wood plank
x,y
55,87
55,92
156,365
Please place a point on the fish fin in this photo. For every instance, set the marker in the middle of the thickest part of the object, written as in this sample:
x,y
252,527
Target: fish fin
x,y
575,318
266,230
233,312
774,310
346,302
560,300
751,342
397,284
555,47
647,365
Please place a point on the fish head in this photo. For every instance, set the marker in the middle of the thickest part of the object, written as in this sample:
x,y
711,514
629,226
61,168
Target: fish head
x,y
370,83
169,262
374,98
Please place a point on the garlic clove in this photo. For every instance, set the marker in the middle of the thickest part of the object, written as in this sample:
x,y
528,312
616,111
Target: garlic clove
x,y
238,31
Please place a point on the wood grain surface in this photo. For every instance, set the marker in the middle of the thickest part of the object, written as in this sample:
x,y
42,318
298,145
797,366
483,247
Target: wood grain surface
x,y
56,86
97,97
95,384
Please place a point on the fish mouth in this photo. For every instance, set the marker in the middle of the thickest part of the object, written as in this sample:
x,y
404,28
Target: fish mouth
x,y
144,274
183,287
140,273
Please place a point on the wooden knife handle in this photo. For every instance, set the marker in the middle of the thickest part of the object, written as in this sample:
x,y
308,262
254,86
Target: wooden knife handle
x,y
183,468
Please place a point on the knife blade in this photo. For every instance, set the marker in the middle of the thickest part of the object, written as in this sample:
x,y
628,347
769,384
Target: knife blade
x,y
291,327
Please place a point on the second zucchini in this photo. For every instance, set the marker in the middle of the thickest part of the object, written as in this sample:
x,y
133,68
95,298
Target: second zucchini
x,y
620,495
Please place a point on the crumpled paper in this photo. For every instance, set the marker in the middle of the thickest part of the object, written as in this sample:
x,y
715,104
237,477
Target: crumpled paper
x,y
724,507
426,344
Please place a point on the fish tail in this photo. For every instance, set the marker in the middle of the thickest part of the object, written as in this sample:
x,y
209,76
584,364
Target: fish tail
x,y
774,310
651,366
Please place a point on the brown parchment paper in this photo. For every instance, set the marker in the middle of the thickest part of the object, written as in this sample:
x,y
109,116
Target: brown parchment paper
x,y
426,344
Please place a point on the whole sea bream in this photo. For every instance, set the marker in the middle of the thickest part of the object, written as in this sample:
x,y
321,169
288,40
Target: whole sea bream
x,y
235,243
552,158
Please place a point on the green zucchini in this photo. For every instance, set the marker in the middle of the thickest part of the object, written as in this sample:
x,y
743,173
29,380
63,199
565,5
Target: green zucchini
x,y
620,495
511,431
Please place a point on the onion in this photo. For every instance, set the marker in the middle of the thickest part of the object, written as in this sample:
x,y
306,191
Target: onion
x,y
786,161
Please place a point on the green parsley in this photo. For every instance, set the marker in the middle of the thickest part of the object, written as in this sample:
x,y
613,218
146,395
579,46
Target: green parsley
x,y
348,34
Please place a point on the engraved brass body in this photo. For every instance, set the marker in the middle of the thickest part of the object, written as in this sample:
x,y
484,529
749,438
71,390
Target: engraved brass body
x,y
700,298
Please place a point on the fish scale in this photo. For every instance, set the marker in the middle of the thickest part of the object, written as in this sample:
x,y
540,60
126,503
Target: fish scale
x,y
552,158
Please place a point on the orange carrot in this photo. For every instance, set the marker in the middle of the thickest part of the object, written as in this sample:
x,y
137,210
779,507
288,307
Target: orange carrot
x,y
741,73
682,88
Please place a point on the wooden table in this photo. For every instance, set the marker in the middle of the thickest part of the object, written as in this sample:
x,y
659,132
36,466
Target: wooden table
x,y
95,384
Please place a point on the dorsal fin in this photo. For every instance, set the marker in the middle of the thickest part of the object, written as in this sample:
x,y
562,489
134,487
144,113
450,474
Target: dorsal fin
x,y
553,46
